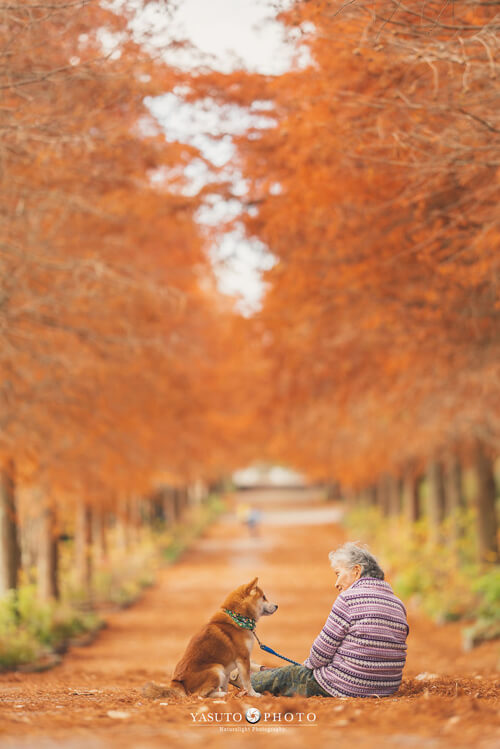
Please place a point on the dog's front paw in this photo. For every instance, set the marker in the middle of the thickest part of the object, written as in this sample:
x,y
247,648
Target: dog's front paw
x,y
253,693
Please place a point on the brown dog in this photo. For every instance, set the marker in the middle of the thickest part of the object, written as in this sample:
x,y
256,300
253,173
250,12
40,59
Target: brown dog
x,y
224,644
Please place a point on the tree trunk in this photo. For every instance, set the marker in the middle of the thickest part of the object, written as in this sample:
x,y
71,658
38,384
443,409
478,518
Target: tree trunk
x,y
177,504
379,494
384,494
28,538
184,499
135,515
411,495
83,548
147,512
123,524
435,499
99,535
10,556
333,491
48,555
455,499
168,508
487,525
371,496
393,495
196,493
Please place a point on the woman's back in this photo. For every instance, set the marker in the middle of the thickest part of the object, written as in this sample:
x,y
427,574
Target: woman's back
x,y
370,657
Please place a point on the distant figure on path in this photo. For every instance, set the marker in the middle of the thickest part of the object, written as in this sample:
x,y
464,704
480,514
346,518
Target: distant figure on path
x,y
361,650
250,516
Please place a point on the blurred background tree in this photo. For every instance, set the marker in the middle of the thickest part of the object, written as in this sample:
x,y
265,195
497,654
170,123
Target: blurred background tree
x,y
130,383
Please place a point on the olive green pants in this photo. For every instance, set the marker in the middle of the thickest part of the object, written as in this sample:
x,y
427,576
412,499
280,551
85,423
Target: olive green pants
x,y
287,681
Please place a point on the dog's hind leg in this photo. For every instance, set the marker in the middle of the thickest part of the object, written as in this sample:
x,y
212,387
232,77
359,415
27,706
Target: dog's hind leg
x,y
234,677
215,685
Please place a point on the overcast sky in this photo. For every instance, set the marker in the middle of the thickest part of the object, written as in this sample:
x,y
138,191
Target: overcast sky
x,y
230,30
227,34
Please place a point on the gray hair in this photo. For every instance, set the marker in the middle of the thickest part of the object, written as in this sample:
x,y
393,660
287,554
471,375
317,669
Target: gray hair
x,y
351,554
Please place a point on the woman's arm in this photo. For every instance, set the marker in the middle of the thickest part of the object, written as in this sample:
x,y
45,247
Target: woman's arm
x,y
326,643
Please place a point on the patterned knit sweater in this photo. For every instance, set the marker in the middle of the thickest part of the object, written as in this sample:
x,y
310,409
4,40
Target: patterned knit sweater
x,y
361,650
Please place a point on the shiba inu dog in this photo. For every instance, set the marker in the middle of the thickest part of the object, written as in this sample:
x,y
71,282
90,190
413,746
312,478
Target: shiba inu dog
x,y
223,645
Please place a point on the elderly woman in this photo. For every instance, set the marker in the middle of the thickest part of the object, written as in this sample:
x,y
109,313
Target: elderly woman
x,y
361,650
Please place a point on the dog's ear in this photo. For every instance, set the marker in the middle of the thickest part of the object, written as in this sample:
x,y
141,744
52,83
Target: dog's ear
x,y
252,584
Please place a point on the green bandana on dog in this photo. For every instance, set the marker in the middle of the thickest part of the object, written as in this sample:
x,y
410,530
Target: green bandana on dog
x,y
245,622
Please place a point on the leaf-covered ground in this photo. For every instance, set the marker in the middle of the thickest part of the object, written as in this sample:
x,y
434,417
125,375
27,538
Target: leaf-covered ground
x,y
93,699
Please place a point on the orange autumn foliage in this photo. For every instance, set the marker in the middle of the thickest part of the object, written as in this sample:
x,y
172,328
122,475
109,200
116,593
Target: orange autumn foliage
x,y
114,336
375,187
377,192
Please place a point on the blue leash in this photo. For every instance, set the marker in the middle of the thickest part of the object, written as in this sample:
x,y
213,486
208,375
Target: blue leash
x,y
273,652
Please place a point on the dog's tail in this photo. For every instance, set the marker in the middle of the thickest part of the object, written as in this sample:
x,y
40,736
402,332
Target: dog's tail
x,y
154,691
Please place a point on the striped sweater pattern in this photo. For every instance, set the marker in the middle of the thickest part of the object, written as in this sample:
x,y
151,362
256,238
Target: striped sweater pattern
x,y
361,650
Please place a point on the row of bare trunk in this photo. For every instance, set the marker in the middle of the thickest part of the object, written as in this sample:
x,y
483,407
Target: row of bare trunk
x,y
445,497
44,535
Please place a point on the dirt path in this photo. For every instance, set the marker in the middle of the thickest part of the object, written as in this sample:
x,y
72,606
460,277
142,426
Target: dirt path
x,y
93,699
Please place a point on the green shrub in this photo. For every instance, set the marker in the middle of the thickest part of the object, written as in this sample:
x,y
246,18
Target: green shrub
x,y
487,586
443,578
17,648
36,616
30,628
